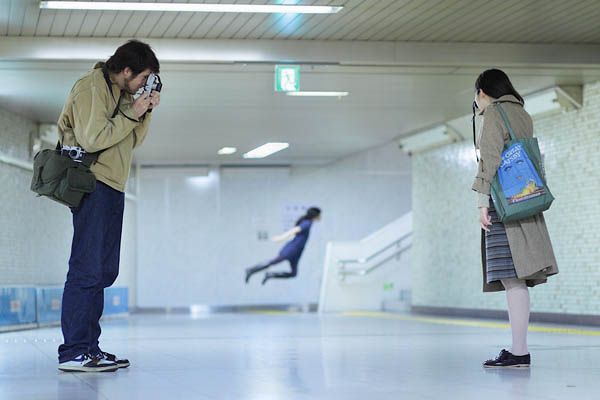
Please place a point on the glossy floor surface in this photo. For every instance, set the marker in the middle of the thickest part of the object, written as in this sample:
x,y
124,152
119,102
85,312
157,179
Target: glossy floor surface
x,y
282,356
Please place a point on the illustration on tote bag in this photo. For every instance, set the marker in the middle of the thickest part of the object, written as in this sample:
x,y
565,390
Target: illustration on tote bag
x,y
518,177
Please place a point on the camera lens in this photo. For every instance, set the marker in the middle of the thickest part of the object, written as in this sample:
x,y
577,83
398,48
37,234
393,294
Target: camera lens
x,y
74,153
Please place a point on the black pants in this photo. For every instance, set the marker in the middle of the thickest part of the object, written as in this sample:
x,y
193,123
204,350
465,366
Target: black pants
x,y
277,260
93,266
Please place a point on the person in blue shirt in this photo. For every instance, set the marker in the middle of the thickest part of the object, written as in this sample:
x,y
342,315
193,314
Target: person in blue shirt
x,y
292,250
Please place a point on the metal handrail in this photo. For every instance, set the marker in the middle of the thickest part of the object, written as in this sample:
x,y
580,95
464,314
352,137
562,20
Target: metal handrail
x,y
362,272
6,159
372,256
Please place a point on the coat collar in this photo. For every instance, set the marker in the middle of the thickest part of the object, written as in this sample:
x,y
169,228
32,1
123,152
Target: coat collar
x,y
509,98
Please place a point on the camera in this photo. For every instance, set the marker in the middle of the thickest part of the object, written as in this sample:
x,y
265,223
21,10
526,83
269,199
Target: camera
x,y
75,152
153,83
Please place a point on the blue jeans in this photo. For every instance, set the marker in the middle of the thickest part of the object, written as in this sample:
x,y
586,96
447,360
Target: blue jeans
x,y
93,266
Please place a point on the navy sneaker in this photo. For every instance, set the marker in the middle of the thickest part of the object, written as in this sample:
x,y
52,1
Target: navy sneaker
x,y
87,363
266,278
121,362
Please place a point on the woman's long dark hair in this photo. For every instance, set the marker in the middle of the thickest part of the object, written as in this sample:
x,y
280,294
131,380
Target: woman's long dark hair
x,y
311,214
495,83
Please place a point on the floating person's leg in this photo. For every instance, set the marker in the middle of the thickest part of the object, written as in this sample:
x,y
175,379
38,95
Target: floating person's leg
x,y
257,268
283,275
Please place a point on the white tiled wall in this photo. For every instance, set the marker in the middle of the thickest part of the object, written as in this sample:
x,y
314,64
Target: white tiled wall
x,y
35,233
446,247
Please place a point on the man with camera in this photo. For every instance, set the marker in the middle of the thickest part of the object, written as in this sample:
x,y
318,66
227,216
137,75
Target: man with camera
x,y
102,119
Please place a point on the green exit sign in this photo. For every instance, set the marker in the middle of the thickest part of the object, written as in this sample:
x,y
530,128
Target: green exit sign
x,y
287,78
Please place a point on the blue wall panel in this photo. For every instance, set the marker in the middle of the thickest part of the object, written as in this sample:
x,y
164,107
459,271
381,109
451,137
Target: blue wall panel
x,y
42,305
116,300
17,305
49,302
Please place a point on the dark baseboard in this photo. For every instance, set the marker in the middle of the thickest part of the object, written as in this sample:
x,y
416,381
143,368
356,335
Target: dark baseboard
x,y
553,318
460,312
310,307
159,310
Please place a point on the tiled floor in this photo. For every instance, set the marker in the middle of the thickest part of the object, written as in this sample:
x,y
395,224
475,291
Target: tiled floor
x,y
303,356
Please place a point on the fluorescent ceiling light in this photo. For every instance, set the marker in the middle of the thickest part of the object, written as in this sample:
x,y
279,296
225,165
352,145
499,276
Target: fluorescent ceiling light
x,y
179,7
557,98
318,94
266,150
226,151
542,102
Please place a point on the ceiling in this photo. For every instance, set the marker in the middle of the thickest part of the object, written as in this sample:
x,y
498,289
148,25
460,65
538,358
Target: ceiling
x,y
403,62
508,21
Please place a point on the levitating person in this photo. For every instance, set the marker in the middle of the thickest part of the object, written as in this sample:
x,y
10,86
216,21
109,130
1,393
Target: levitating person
x,y
293,249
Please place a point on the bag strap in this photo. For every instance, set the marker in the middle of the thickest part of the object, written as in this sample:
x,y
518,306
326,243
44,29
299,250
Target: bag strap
x,y
474,135
506,122
109,85
91,158
117,108
504,119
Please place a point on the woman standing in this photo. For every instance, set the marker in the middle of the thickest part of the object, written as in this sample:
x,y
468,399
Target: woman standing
x,y
515,255
292,250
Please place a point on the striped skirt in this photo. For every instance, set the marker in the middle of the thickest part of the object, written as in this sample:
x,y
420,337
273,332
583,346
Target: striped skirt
x,y
498,257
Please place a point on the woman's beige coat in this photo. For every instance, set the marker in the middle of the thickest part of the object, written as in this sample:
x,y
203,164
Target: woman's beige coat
x,y
528,239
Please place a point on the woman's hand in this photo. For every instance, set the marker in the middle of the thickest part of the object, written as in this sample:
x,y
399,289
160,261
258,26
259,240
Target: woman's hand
x,y
484,219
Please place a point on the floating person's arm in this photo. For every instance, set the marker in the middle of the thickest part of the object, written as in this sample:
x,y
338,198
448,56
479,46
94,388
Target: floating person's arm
x,y
287,235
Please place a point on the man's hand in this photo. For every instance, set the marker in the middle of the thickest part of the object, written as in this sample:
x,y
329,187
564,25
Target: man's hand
x,y
484,219
141,104
154,100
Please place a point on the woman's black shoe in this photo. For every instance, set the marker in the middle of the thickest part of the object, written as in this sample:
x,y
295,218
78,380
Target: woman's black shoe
x,y
508,360
266,278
